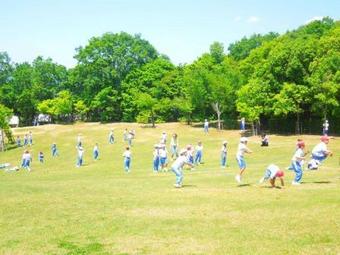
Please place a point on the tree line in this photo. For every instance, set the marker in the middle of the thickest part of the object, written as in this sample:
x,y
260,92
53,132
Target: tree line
x,y
122,77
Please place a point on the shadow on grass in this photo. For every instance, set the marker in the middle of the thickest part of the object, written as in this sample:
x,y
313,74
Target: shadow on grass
x,y
322,182
73,248
270,187
243,185
189,186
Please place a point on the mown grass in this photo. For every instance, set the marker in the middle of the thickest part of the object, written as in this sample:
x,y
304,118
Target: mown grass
x,y
99,209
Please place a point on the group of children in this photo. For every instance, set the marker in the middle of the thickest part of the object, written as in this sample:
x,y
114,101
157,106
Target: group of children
x,y
193,156
27,140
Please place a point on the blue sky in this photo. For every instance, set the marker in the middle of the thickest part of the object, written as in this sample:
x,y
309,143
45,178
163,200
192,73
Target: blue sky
x,y
183,30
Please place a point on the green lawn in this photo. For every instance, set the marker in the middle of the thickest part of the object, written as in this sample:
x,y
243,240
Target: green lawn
x,y
99,209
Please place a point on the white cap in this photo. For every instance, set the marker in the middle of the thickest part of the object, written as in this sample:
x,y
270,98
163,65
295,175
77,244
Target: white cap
x,y
243,140
224,142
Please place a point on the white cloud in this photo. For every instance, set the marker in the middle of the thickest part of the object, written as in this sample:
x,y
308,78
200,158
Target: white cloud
x,y
253,19
314,19
238,18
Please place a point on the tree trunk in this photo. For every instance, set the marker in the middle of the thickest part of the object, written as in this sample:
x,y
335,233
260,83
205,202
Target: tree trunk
x,y
2,140
253,128
218,111
298,128
152,119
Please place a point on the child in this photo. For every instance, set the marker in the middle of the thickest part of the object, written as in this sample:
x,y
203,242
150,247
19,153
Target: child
x,y
177,166
95,152
297,161
111,137
30,138
125,135
54,150
127,159
206,126
156,158
163,153
18,141
79,142
242,148
264,140
25,140
243,124
199,153
325,126
26,160
224,154
80,155
41,157
319,153
130,136
174,146
163,138
271,173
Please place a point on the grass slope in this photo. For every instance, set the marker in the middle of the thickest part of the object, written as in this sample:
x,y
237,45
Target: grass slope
x,y
99,209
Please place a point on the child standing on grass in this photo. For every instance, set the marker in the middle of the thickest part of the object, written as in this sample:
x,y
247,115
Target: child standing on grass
x,y
199,153
156,158
206,126
163,138
224,154
272,172
95,152
80,156
79,142
26,160
241,150
163,155
54,150
30,138
174,146
127,159
297,161
41,157
111,137
18,141
25,140
177,167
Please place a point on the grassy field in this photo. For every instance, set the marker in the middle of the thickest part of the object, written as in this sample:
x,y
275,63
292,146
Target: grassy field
x,y
99,209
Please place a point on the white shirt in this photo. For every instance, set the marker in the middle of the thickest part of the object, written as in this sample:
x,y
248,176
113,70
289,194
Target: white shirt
x,y
273,170
206,124
155,153
242,148
174,141
80,153
26,156
110,134
320,149
326,125
179,162
162,153
199,148
95,148
224,149
298,153
127,154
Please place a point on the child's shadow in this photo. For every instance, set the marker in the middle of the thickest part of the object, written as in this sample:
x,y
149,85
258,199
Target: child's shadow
x,y
243,185
189,186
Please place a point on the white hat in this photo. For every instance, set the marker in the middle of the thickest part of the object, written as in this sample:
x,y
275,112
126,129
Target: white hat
x,y
243,140
183,151
224,142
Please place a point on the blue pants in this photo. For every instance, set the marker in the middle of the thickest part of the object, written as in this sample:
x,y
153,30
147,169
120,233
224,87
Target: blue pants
x,y
320,159
241,163
174,151
206,129
198,157
26,163
156,164
54,152
129,142
127,162
25,142
179,175
41,160
79,161
298,171
163,161
223,159
191,159
111,140
95,154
